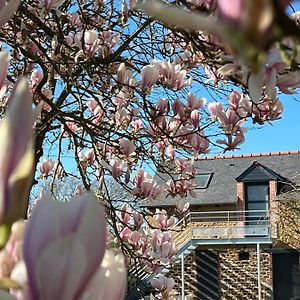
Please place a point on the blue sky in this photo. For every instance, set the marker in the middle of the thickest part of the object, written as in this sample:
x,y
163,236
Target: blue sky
x,y
282,135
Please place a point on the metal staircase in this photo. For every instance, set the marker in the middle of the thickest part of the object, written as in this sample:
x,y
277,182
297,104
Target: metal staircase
x,y
209,229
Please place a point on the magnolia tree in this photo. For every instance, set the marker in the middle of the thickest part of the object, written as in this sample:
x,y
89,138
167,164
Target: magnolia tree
x,y
122,96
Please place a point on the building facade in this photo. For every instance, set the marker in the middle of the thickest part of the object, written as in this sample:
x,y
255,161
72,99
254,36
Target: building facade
x,y
241,238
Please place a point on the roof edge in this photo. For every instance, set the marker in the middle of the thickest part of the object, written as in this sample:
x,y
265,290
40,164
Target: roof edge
x,y
250,155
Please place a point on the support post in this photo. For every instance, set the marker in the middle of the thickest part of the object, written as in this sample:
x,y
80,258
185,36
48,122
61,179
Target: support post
x,y
258,271
182,276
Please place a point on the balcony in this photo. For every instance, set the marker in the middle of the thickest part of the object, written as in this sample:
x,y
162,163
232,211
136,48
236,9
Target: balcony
x,y
209,229
223,227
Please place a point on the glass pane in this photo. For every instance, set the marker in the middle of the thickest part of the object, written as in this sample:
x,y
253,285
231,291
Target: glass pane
x,y
257,193
203,180
257,205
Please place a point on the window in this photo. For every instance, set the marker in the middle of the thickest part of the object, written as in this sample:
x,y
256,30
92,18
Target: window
x,y
244,255
203,180
257,198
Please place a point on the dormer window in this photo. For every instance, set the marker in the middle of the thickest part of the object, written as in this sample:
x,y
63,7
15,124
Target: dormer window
x,y
257,196
203,180
256,181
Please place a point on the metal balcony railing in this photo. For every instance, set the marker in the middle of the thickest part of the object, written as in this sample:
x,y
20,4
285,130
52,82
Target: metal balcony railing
x,y
222,226
214,227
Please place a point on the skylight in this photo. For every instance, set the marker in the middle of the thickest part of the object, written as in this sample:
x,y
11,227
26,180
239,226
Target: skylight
x,y
203,180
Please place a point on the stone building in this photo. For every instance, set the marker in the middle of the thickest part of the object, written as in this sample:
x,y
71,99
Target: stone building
x,y
241,238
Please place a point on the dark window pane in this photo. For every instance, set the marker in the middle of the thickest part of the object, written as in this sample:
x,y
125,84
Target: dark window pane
x,y
203,180
257,192
257,205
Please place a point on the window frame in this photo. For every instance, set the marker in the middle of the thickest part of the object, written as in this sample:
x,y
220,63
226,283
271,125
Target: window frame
x,y
207,182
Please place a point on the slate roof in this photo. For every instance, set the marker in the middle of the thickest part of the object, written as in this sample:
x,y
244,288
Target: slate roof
x,y
226,169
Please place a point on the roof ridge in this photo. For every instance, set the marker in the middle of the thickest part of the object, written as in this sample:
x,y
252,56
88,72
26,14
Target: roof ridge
x,y
250,155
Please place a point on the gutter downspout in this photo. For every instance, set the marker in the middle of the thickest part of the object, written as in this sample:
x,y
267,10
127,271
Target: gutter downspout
x,y
182,276
258,271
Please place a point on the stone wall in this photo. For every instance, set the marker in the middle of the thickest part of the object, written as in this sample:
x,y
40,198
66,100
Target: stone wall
x,y
238,275
288,220
190,275
237,278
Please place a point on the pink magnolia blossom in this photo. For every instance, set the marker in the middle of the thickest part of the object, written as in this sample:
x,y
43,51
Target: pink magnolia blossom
x,y
184,165
171,152
96,108
212,74
122,99
16,154
150,75
241,13
163,105
47,107
146,186
137,124
240,103
35,78
202,4
163,220
12,253
193,102
110,280
163,285
11,261
288,83
182,207
74,19
268,110
46,167
125,233
7,9
195,118
98,114
232,11
4,60
14,245
123,117
230,119
48,94
179,108
92,104
138,219
49,4
198,143
215,108
161,146
71,125
110,38
163,249
233,141
127,147
68,240
172,75
19,275
88,156
117,167
125,76
181,187
136,240
125,213
89,42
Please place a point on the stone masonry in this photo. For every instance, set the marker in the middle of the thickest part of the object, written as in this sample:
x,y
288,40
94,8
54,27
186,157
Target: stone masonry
x,y
237,277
